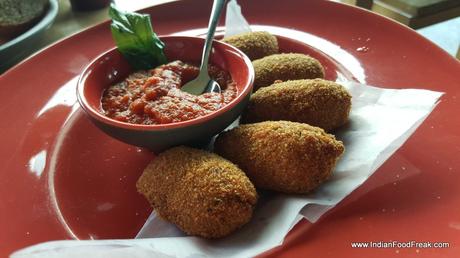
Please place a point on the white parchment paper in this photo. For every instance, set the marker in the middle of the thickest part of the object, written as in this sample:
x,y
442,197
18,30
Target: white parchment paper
x,y
235,23
380,122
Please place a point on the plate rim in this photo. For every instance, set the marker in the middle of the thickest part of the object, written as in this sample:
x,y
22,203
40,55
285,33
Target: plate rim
x,y
172,2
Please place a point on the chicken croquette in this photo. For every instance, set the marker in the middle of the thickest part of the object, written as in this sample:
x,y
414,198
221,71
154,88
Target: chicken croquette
x,y
285,67
317,102
254,44
202,193
283,156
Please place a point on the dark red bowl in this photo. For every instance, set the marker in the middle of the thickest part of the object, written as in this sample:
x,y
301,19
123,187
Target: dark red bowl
x,y
111,67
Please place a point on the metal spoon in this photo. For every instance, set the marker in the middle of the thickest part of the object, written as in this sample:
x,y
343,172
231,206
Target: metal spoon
x,y
203,83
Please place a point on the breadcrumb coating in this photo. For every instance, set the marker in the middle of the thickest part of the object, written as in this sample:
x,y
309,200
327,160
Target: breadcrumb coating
x,y
317,102
254,44
285,67
283,156
202,193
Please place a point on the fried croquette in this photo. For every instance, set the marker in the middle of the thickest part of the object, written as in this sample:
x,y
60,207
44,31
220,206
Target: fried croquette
x,y
317,102
254,44
202,193
283,156
285,67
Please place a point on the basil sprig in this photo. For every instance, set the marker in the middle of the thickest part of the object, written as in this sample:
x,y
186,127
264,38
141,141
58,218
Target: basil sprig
x,y
135,39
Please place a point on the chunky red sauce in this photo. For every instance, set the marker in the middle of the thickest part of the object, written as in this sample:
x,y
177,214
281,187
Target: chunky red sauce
x,y
154,96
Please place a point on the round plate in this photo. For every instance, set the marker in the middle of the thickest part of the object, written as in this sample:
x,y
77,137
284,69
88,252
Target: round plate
x,y
61,178
16,49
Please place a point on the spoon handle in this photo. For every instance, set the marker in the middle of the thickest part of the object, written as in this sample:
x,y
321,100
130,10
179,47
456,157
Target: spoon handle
x,y
215,14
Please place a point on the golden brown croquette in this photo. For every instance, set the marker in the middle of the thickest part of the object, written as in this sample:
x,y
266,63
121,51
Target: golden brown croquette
x,y
254,44
285,67
317,102
202,193
283,156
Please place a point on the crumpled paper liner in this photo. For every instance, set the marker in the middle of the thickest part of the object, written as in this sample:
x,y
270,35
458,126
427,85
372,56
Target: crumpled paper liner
x,y
235,23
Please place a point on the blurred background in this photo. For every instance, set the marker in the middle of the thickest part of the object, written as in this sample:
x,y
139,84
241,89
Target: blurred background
x,y
437,20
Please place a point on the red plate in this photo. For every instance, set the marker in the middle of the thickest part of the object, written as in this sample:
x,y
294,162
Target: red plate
x,y
61,178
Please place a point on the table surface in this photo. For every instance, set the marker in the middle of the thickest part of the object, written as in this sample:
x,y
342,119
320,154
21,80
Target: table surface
x,y
445,34
68,22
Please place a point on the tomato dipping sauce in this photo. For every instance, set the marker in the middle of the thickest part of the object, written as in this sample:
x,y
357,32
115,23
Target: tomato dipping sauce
x,y
154,96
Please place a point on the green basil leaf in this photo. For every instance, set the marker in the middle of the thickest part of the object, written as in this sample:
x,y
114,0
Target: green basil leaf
x,y
135,39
